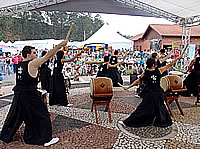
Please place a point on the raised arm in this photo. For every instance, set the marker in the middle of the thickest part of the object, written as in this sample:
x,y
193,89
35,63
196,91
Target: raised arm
x,y
112,66
124,57
38,61
71,59
115,65
191,64
135,82
163,69
166,57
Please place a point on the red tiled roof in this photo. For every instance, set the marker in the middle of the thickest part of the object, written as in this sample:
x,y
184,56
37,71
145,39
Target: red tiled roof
x,y
136,37
167,30
173,30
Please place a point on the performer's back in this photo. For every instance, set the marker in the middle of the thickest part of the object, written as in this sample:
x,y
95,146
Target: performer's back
x,y
102,70
58,66
113,72
113,60
23,78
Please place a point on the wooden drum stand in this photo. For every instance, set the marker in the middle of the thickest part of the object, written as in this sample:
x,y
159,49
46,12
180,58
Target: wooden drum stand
x,y
173,87
101,93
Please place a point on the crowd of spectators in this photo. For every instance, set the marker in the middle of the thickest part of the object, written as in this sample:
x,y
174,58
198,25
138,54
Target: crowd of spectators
x,y
134,63
8,63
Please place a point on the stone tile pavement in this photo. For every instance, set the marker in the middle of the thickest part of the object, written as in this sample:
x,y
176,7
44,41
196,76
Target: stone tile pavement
x,y
76,126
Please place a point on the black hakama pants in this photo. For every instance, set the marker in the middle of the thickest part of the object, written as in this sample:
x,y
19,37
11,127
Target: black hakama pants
x,y
45,78
192,81
151,111
58,91
114,74
28,107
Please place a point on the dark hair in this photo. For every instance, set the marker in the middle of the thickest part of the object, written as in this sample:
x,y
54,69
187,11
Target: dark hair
x,y
162,50
27,50
106,58
198,51
116,52
154,55
150,62
60,55
44,52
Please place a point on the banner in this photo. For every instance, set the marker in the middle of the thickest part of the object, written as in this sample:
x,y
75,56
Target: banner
x,y
191,51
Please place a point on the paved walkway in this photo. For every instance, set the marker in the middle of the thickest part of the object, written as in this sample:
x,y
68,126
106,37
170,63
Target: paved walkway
x,y
76,126
9,81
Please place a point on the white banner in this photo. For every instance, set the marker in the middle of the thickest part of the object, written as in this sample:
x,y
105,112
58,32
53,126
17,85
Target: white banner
x,y
191,52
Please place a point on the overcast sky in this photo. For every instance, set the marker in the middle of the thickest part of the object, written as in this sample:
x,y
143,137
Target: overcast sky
x,y
131,25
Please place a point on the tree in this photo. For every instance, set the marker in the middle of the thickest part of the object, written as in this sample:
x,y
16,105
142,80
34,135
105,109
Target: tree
x,y
42,25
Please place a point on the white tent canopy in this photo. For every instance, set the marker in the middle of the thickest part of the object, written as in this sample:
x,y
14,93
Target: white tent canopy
x,y
12,50
43,44
107,35
38,44
9,44
2,43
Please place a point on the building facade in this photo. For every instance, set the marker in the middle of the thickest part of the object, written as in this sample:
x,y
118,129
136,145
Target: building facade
x,y
159,36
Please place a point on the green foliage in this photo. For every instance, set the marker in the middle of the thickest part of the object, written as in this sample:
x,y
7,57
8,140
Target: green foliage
x,y
44,25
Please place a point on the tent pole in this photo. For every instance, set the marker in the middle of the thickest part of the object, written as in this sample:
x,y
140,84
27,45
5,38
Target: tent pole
x,y
186,30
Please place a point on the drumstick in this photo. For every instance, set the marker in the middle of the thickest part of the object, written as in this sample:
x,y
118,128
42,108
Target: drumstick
x,y
67,37
93,62
70,29
120,85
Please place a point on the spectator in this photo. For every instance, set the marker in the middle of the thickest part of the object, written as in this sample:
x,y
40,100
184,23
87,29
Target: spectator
x,y
2,66
8,62
19,57
15,62
140,70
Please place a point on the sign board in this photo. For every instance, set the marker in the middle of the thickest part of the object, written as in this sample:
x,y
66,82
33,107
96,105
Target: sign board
x,y
191,51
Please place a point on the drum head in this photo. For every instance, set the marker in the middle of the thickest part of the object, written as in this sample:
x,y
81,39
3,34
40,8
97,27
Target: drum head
x,y
164,83
176,73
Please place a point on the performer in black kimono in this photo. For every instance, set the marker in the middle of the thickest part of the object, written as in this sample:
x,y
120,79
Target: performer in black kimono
x,y
159,62
58,94
45,74
27,105
45,78
193,79
113,72
152,110
103,68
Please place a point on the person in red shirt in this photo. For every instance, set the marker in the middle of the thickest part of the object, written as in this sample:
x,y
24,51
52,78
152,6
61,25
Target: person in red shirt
x,y
19,57
15,62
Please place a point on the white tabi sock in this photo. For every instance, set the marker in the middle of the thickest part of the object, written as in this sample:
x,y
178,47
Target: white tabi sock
x,y
69,104
53,141
122,123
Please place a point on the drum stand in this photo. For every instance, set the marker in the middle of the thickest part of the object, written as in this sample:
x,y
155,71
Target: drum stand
x,y
101,93
101,102
173,95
